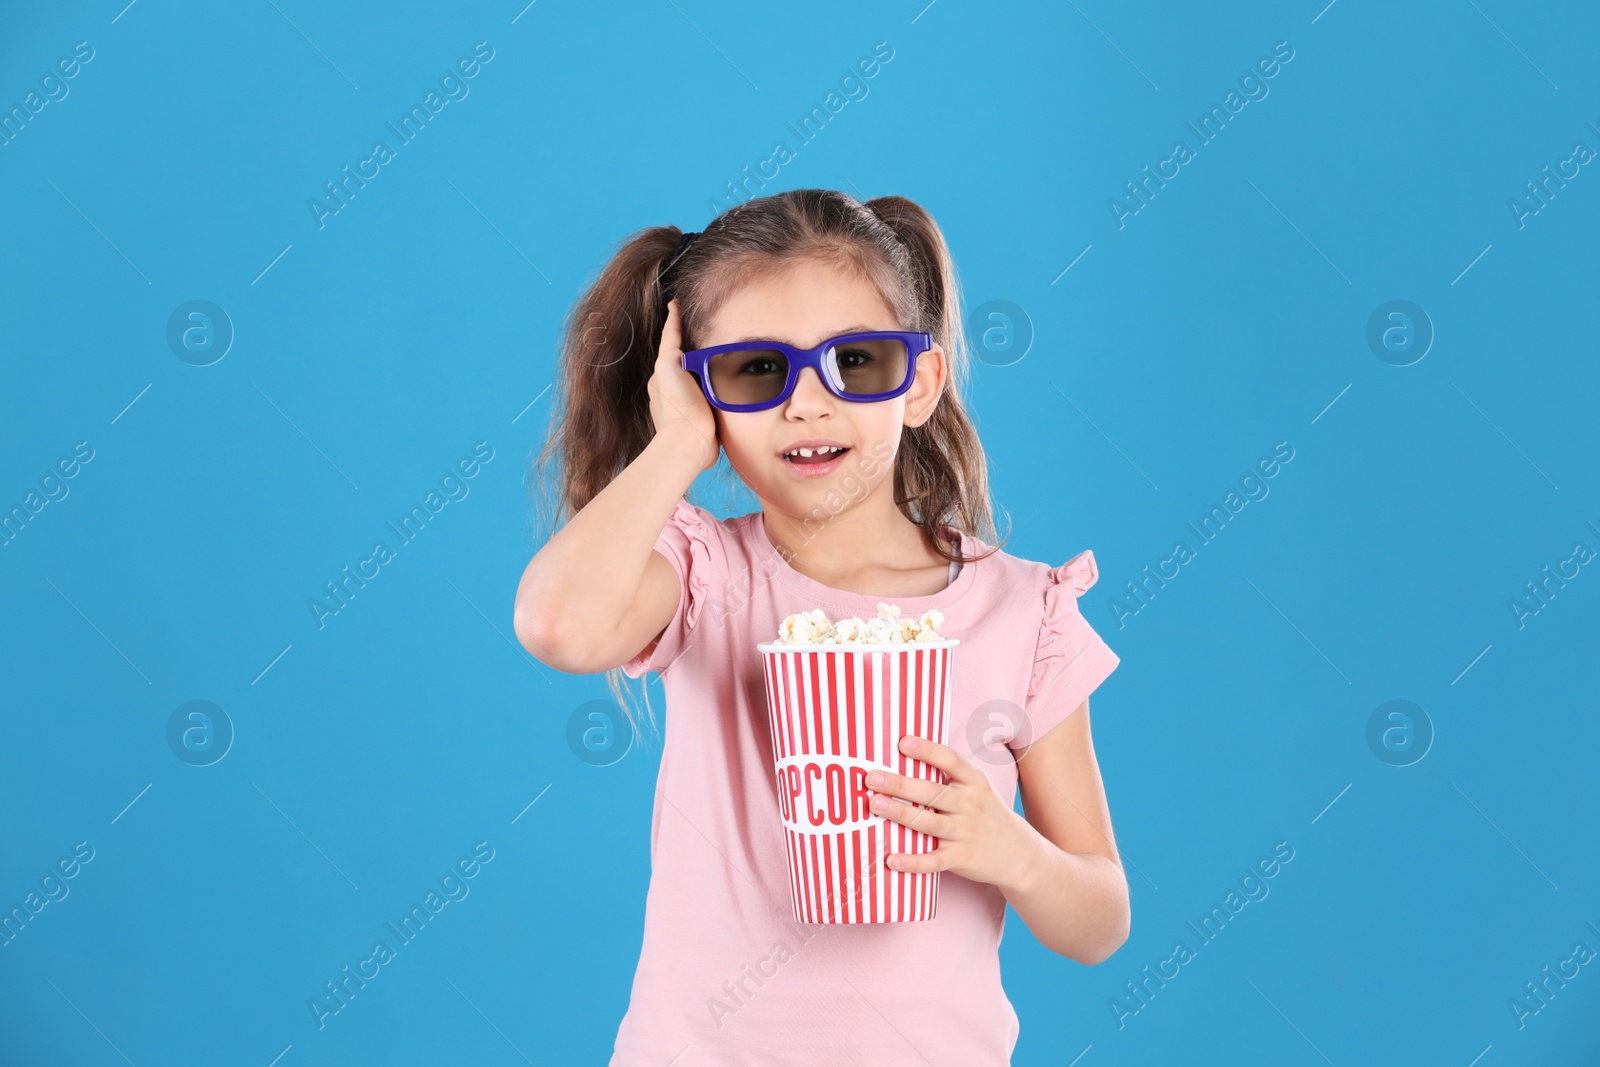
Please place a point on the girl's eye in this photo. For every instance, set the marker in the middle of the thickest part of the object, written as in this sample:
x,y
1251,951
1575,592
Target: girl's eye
x,y
759,365
853,358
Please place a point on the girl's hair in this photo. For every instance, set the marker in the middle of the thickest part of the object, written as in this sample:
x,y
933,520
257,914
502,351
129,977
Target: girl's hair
x,y
600,418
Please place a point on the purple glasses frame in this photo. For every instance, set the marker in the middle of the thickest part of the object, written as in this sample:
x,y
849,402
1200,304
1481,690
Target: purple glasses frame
x,y
916,342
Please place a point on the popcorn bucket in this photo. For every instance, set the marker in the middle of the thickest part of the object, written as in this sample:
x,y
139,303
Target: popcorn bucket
x,y
837,713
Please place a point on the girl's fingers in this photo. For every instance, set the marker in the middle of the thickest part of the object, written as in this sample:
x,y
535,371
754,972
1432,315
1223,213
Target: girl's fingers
x,y
675,394
926,820
671,336
916,862
917,790
956,766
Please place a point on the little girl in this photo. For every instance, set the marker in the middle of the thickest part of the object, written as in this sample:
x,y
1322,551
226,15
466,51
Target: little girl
x,y
871,482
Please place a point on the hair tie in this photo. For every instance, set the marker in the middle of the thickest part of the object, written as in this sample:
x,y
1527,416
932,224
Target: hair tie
x,y
668,269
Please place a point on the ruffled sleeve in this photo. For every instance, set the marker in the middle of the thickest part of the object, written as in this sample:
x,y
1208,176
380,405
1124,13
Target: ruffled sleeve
x,y
690,542
1071,660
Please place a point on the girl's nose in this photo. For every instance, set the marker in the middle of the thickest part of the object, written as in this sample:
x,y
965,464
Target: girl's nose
x,y
809,392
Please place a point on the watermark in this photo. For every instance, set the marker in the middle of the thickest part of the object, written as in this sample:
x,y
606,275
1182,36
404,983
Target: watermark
x,y
453,888
53,84
199,733
1538,595
339,593
1254,487
738,589
1000,331
853,87
593,733
1140,192
1138,993
989,728
736,992
596,337
1399,733
53,488
1399,332
1536,996
1536,196
199,332
338,194
53,888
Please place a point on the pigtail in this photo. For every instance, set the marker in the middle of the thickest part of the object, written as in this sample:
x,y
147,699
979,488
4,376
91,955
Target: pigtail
x,y
941,477
600,414
599,418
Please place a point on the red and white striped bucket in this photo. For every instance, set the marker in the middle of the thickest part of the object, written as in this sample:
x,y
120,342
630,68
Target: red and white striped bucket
x,y
837,713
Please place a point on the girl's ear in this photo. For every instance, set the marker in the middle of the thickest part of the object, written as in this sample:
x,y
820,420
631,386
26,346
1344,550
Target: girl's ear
x,y
927,386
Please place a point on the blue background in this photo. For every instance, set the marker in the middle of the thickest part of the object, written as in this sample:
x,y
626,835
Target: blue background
x,y
371,353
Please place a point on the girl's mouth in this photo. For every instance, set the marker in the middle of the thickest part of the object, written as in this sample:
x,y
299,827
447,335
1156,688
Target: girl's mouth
x,y
820,462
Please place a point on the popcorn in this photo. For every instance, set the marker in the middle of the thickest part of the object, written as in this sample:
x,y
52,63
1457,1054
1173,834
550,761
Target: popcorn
x,y
806,628
813,628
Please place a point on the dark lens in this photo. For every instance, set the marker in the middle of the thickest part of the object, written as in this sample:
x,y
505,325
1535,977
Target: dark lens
x,y
748,376
871,366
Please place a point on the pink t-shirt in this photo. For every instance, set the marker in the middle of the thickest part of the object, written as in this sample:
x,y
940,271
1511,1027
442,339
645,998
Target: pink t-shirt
x,y
725,974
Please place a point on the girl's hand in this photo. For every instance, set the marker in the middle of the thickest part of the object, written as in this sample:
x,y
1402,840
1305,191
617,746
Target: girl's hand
x,y
677,405
980,837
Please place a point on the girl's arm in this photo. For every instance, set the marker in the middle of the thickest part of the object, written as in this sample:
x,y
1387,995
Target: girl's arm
x,y
598,592
1072,892
1058,866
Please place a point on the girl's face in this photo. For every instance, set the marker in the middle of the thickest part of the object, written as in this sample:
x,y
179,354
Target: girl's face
x,y
804,304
